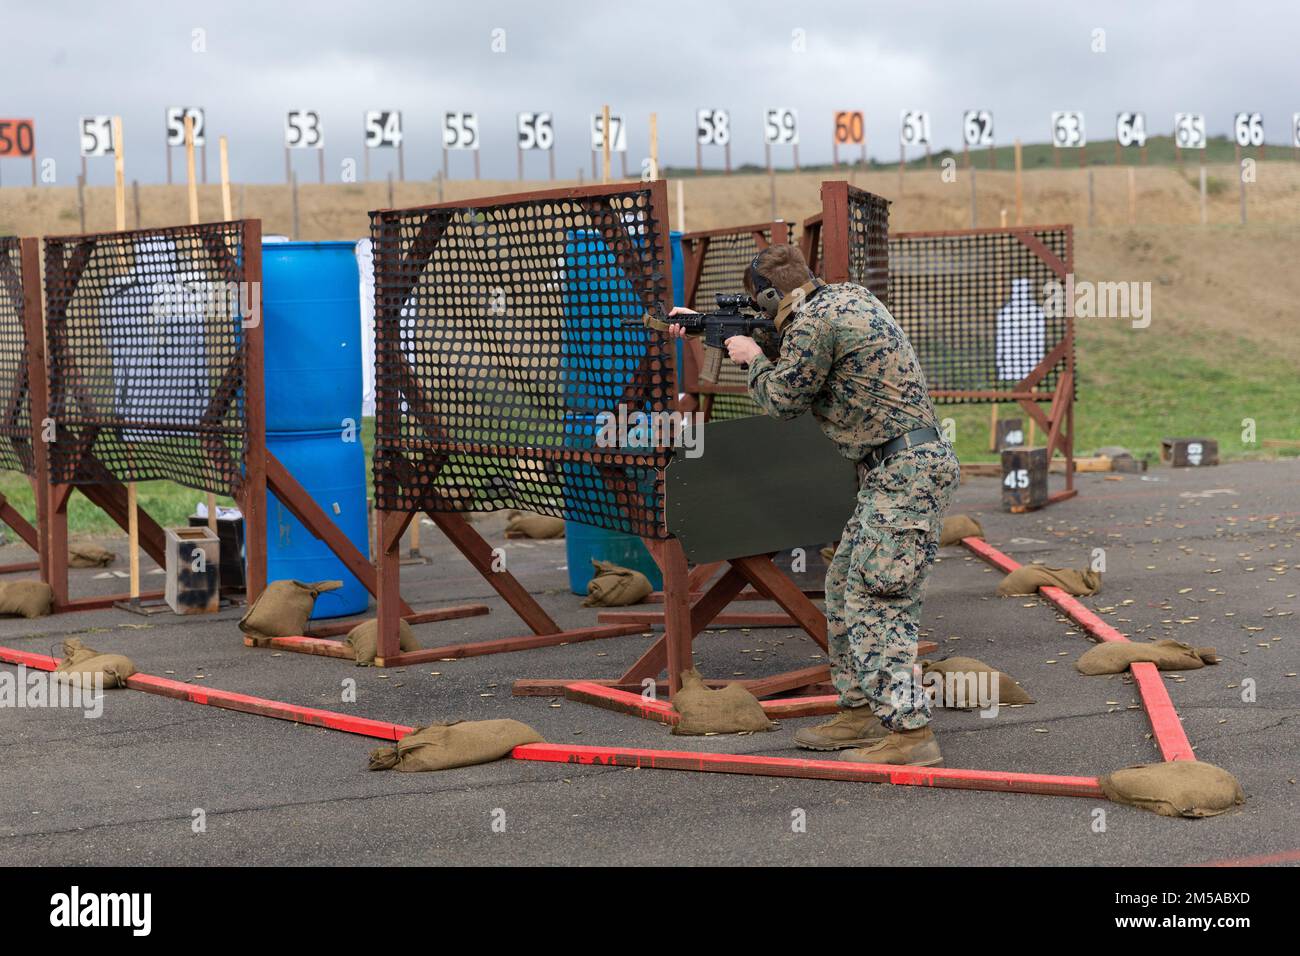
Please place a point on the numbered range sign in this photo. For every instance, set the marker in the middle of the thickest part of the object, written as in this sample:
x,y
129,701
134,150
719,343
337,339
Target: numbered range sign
x,y
1248,129
535,131
460,130
1068,130
17,138
914,128
977,127
96,135
617,141
302,130
850,129
780,127
383,129
1024,478
176,125
712,127
1131,129
1189,130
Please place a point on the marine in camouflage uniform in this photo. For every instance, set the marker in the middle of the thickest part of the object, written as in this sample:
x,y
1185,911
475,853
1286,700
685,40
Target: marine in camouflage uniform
x,y
843,357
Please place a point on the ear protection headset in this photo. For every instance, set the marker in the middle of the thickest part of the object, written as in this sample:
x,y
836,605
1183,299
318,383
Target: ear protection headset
x,y
769,299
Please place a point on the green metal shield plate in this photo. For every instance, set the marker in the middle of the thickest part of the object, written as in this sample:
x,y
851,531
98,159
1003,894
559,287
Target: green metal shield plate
x,y
758,485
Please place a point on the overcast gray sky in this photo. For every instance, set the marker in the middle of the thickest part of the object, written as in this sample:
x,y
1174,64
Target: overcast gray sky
x,y
1019,59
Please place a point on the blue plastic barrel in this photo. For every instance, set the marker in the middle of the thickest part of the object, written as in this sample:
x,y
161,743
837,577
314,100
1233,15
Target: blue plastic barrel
x,y
333,472
583,542
679,295
598,361
311,319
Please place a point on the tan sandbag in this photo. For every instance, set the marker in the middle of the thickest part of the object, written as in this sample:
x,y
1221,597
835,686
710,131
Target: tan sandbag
x,y
1009,692
1114,657
1176,788
364,640
87,555
828,552
456,744
727,710
25,598
284,608
614,586
523,524
1028,578
80,664
956,527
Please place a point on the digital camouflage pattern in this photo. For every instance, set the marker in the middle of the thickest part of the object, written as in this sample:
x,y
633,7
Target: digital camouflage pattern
x,y
845,359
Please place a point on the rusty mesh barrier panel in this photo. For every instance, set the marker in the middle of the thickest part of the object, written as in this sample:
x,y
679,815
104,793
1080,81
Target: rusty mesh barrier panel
x,y
15,413
973,305
869,242
509,346
722,267
146,355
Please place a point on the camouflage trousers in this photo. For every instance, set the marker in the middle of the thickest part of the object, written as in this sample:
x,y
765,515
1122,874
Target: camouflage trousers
x,y
875,583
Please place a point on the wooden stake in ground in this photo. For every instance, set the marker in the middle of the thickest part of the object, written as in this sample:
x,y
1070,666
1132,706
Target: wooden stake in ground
x,y
1132,196
192,186
227,215
1020,214
654,146
681,206
119,208
604,143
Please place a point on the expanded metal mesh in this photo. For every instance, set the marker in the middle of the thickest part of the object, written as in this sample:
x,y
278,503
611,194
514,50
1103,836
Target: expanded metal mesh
x,y
15,401
146,355
869,242
723,261
976,308
510,345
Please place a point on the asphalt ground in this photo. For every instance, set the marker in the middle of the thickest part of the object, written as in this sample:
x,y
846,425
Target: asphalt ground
x,y
1209,556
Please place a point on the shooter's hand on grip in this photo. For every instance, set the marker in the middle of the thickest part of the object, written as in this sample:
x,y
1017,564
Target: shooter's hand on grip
x,y
743,350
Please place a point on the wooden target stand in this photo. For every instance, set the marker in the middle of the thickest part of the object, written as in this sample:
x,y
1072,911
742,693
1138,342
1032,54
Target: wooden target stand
x,y
719,522
1057,419
50,536
28,308
444,512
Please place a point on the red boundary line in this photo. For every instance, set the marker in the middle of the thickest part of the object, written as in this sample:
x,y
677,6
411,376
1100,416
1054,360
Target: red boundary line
x,y
997,781
945,777
229,700
1165,725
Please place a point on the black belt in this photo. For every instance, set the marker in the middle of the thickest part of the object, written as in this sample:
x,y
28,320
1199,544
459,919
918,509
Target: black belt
x,y
917,436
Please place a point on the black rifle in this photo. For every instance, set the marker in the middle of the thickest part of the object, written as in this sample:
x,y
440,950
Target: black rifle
x,y
716,327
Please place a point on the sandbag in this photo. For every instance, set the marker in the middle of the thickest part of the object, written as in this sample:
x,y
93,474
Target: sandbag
x,y
1028,578
728,710
1009,692
523,524
87,555
1176,788
460,743
614,586
284,608
956,527
828,552
1114,657
25,598
80,664
364,640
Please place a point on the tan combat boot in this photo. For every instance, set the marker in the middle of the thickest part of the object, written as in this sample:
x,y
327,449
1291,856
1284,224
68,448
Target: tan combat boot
x,y
910,748
851,727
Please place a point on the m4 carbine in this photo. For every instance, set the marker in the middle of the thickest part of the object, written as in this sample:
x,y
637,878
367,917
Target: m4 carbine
x,y
716,327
